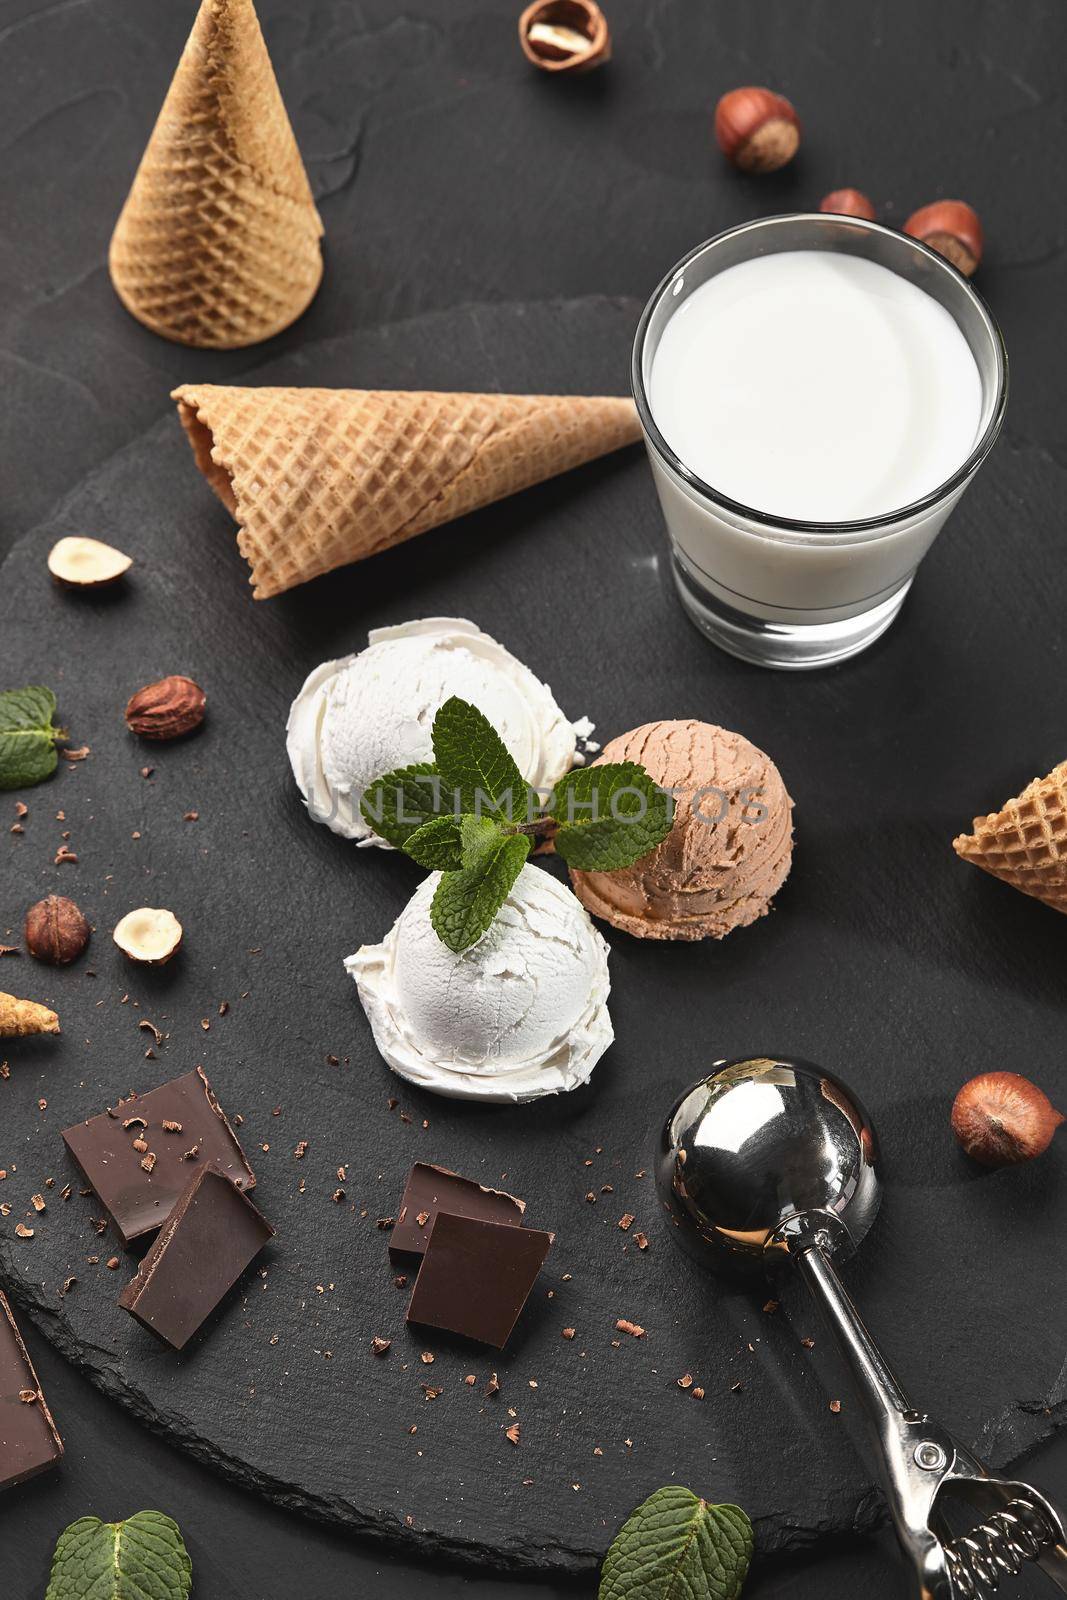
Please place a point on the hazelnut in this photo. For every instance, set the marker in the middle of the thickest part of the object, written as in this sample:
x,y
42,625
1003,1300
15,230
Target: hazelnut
x,y
55,930
86,563
952,228
168,709
148,935
1001,1117
757,129
564,35
848,203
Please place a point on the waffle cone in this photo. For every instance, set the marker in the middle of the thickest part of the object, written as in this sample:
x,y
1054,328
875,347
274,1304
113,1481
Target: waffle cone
x,y
218,242
316,478
1025,844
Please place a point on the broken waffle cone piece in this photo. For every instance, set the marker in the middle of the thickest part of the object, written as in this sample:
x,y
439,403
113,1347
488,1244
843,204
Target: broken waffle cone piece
x,y
19,1018
218,243
1025,843
316,478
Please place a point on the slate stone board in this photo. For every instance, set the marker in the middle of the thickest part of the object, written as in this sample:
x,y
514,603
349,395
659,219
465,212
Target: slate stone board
x,y
897,966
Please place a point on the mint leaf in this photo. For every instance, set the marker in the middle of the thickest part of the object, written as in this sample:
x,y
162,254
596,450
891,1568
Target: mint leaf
x,y
143,1558
609,816
438,844
465,903
27,736
676,1546
475,764
477,835
398,804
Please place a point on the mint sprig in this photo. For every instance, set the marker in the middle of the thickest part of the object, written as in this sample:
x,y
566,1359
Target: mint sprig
x,y
475,764
470,815
466,902
27,736
397,805
676,1546
609,816
143,1558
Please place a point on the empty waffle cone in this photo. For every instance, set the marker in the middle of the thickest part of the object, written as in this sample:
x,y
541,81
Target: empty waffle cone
x,y
316,478
218,242
1025,844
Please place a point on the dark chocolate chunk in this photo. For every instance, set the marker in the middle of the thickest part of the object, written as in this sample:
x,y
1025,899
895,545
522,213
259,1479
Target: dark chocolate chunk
x,y
432,1189
29,1442
138,1186
475,1276
211,1235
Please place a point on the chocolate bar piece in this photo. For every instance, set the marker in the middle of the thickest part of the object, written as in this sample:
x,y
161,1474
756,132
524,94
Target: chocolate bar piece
x,y
29,1442
432,1189
211,1235
139,1156
476,1276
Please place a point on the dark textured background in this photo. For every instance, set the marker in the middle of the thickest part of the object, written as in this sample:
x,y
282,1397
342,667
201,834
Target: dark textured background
x,y
448,174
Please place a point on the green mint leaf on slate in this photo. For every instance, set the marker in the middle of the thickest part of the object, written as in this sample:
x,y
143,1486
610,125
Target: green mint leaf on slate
x,y
465,903
438,844
143,1558
609,816
27,737
676,1546
477,835
398,804
475,763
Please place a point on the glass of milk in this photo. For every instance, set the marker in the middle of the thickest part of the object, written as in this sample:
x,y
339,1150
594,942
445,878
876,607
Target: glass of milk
x,y
816,393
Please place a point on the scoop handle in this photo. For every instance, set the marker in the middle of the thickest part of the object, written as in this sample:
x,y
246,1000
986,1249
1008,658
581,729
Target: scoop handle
x,y
915,1453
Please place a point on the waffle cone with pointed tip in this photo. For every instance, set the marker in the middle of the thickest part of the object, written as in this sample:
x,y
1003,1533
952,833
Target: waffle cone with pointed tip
x,y
218,243
316,478
1025,843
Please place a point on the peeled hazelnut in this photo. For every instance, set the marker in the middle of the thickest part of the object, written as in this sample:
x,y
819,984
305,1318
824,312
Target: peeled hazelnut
x,y
55,930
848,203
86,563
168,709
148,935
1001,1117
757,129
952,228
564,35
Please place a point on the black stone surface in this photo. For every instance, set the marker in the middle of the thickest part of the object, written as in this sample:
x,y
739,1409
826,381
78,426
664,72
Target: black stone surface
x,y
450,174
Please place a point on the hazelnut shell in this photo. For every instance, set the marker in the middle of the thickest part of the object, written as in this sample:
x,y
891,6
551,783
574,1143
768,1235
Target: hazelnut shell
x,y
564,35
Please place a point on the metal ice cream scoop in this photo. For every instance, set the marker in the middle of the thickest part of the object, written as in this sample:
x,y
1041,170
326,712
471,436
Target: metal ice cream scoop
x,y
772,1163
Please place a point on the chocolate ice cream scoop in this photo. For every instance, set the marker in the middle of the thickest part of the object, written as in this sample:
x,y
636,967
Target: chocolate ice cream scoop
x,y
728,852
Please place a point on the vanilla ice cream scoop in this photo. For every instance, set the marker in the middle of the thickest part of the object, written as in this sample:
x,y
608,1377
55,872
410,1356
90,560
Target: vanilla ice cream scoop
x,y
729,849
520,1014
358,718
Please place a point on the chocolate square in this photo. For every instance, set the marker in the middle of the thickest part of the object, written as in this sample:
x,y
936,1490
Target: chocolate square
x,y
29,1441
184,1129
432,1189
211,1235
476,1277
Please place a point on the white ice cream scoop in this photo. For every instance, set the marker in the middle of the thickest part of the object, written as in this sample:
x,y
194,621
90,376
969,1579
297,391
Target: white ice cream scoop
x,y
520,1014
358,718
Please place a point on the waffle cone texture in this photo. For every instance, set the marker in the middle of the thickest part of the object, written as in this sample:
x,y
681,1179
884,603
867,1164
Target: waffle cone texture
x,y
218,244
1025,843
317,478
